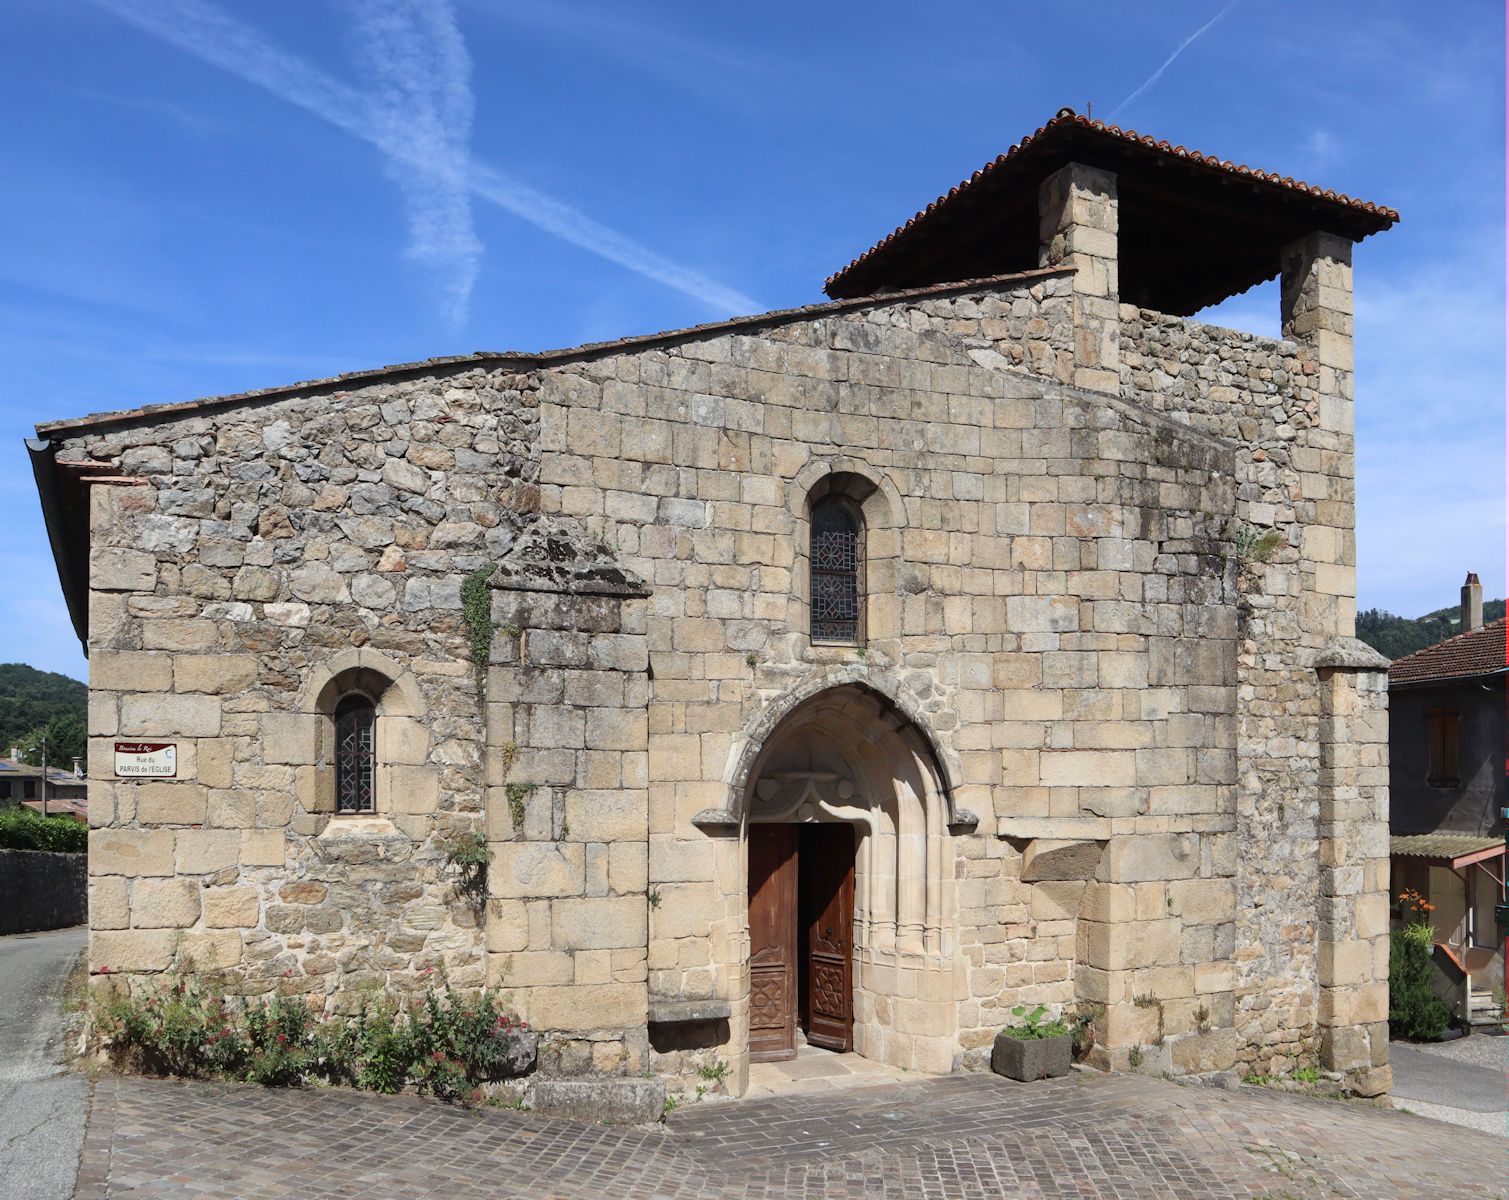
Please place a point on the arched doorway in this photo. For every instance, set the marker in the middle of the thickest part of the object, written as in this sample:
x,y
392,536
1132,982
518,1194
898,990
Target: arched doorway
x,y
850,886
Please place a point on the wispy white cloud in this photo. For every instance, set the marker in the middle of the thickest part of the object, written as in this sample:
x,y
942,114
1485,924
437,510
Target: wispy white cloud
x,y
1169,61
421,111
223,41
635,37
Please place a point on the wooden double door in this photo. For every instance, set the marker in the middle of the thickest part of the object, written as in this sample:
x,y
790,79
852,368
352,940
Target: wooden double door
x,y
801,938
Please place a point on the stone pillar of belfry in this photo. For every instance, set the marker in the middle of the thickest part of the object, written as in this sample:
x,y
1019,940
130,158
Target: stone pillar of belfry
x,y
1316,279
1316,291
1077,227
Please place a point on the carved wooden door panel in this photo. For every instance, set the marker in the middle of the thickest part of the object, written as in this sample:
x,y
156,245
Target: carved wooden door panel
x,y
772,942
827,898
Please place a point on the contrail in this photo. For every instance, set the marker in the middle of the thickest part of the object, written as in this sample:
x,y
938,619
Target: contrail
x,y
215,37
423,102
1169,61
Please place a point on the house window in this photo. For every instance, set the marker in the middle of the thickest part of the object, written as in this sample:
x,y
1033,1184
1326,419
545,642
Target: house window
x,y
837,571
1441,743
355,746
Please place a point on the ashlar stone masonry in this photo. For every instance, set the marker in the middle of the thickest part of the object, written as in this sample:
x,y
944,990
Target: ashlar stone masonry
x,y
1102,740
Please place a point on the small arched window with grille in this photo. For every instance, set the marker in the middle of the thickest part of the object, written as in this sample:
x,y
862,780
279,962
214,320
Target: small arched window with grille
x,y
837,565
355,755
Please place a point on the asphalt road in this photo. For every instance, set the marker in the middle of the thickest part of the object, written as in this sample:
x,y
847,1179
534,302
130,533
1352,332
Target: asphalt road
x,y
1437,1080
42,1108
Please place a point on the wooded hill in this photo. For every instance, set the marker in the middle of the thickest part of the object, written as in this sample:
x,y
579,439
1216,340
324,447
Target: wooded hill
x,y
31,700
1397,636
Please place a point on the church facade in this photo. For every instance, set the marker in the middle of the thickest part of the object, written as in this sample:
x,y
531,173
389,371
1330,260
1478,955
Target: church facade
x,y
980,637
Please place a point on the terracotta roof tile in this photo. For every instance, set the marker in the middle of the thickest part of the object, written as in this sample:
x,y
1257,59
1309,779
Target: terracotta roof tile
x,y
1068,119
1476,652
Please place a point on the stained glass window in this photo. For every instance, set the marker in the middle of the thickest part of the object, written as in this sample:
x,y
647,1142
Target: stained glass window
x,y
836,566
355,726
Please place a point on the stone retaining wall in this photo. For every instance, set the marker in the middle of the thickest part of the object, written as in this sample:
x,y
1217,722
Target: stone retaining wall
x,y
41,889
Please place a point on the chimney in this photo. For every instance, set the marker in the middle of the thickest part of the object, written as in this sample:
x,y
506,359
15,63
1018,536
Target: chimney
x,y
1472,604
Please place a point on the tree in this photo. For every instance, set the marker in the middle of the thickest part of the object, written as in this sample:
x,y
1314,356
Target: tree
x,y
1394,636
67,739
29,698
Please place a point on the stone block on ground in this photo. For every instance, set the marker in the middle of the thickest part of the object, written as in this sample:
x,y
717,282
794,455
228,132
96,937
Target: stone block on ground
x,y
609,1100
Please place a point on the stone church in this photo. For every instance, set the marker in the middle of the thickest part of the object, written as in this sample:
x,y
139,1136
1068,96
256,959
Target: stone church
x,y
848,674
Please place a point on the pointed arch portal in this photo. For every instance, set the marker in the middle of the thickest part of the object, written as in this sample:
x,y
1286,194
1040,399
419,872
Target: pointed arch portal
x,y
850,888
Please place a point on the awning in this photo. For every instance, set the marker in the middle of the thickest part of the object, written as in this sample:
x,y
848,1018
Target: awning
x,y
1454,850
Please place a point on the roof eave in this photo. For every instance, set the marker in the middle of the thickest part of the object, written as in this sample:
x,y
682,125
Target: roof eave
x,y
1439,679
43,454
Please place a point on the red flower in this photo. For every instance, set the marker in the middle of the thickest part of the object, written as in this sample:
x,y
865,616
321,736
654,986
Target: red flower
x,y
104,970
281,1039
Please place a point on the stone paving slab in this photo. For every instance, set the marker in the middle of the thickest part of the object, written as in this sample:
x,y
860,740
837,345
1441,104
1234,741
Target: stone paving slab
x,y
953,1138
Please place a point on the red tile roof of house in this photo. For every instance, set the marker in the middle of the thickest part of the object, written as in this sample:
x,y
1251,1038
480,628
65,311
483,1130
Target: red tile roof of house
x,y
1477,652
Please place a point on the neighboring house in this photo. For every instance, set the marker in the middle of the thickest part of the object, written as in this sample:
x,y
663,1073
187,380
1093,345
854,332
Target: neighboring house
x,y
1447,789
852,673
21,783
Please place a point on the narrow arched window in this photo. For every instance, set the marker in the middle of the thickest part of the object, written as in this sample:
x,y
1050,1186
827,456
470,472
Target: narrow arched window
x,y
355,750
837,571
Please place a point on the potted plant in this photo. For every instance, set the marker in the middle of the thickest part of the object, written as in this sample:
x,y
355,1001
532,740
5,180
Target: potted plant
x,y
1034,1048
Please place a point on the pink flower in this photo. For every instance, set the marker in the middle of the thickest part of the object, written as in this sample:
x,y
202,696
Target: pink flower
x,y
281,1039
437,1056
104,970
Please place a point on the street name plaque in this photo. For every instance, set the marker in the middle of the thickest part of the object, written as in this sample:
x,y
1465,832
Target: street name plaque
x,y
146,760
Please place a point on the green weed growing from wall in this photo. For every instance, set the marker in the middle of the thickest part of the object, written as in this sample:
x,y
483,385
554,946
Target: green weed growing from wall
x,y
477,612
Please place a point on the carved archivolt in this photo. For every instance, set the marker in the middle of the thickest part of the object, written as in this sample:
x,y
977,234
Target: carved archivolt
x,y
846,755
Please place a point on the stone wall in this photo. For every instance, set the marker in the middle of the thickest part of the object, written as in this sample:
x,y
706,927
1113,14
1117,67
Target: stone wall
x,y
1286,404
568,689
41,889
1061,624
246,566
1093,621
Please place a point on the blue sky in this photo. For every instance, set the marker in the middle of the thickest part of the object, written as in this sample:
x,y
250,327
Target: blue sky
x,y
207,197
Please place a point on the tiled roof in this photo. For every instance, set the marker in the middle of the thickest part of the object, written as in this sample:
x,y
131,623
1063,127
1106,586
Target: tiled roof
x,y
1476,652
62,806
1355,217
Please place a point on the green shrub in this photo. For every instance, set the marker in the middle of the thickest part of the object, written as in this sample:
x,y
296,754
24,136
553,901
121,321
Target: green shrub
x,y
1415,1012
1033,1026
375,1051
280,1042
22,829
472,1037
445,1045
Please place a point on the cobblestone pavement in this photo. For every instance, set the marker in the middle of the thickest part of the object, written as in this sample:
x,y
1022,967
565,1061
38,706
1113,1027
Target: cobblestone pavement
x,y
954,1137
